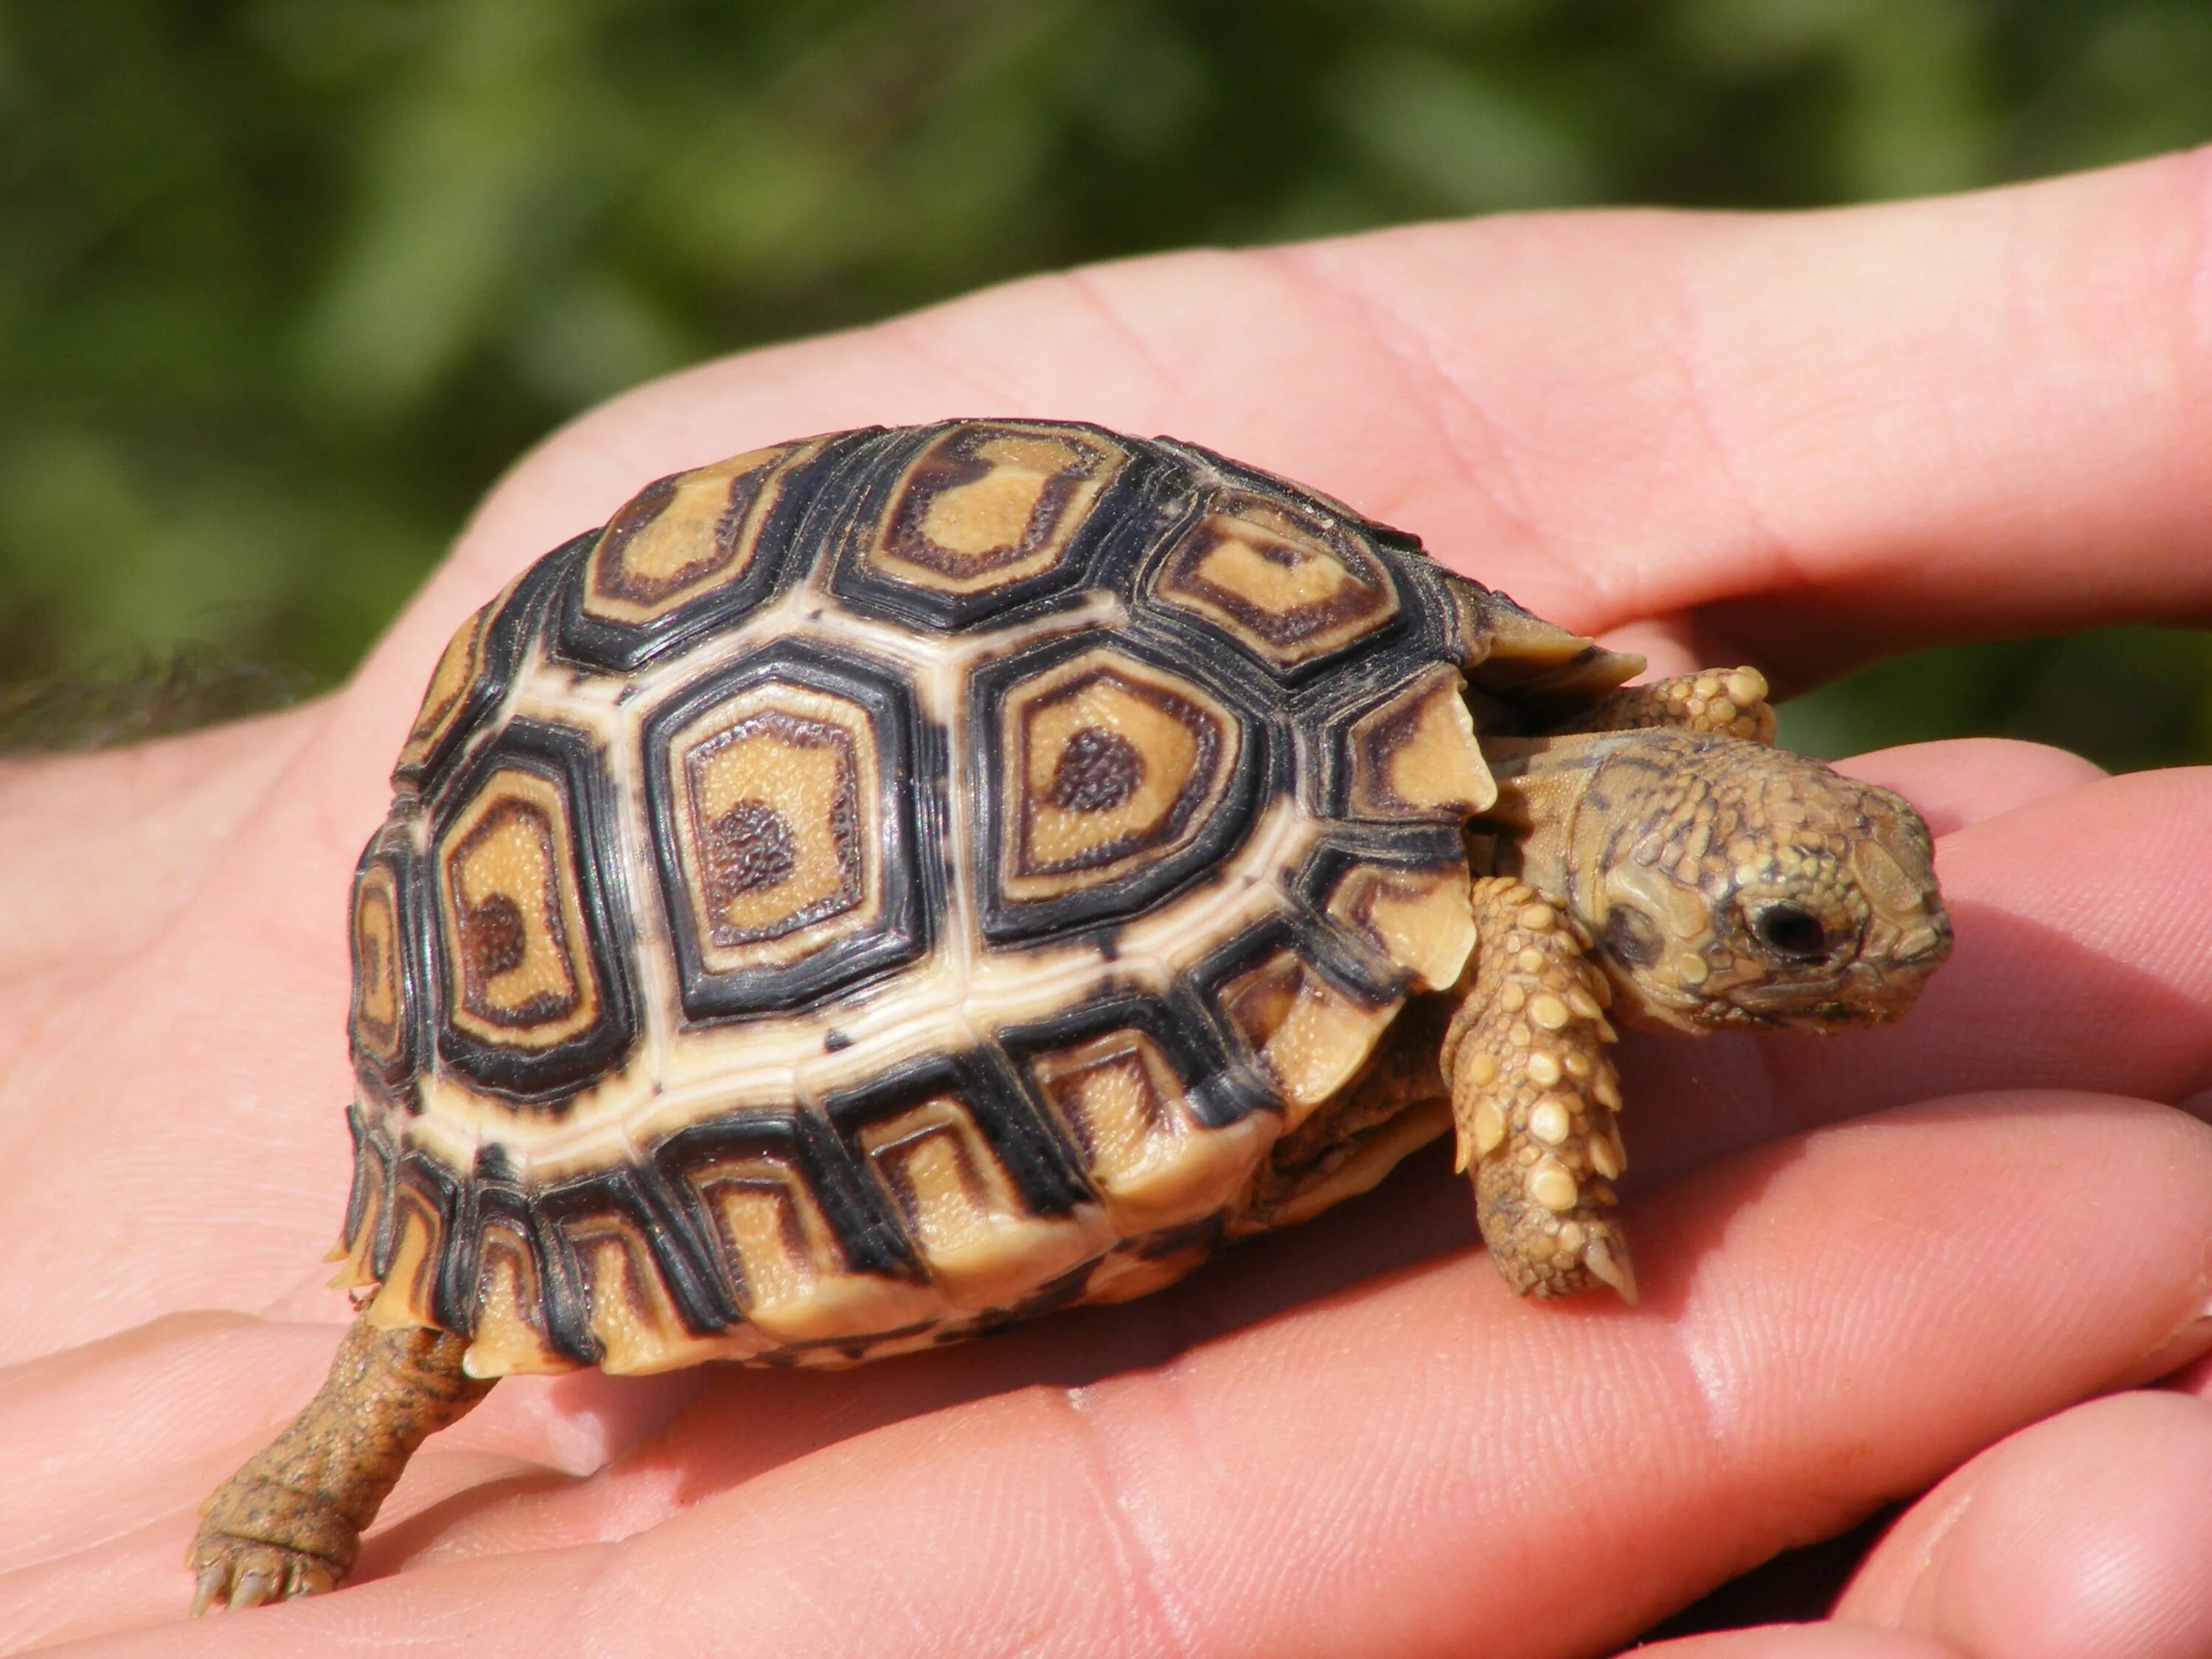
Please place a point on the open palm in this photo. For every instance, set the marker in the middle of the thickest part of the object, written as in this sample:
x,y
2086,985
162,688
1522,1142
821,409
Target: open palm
x,y
1868,1261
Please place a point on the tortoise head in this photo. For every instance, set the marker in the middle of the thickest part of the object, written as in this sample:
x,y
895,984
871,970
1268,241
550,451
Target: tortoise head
x,y
1725,884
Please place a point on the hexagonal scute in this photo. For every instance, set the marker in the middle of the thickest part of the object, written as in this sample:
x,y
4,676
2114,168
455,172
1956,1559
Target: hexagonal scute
x,y
1288,585
782,797
537,1001
986,515
1112,778
692,550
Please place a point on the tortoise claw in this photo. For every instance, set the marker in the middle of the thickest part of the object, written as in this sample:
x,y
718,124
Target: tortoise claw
x,y
210,1583
243,1573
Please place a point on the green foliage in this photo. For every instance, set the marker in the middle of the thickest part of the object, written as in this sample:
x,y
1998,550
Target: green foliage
x,y
284,285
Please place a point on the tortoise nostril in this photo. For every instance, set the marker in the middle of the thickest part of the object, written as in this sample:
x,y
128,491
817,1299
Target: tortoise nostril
x,y
1790,931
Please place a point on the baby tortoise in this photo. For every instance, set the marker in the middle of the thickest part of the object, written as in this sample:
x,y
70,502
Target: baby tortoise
x,y
888,885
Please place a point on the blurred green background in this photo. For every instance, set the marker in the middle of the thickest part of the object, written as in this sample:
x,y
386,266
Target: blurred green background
x,y
284,285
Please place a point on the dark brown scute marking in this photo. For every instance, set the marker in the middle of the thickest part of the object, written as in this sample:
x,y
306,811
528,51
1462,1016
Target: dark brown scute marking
x,y
611,575
978,1098
492,938
1066,1089
891,1161
365,1202
749,847
468,641
1202,1234
1259,1007
587,1237
830,739
1206,734
494,932
500,1244
1366,593
375,964
377,969
795,1152
1097,771
491,646
606,573
745,853
951,463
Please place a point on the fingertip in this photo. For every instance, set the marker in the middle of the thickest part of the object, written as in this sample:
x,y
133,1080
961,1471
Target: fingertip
x,y
1827,1641
2082,1537
1962,780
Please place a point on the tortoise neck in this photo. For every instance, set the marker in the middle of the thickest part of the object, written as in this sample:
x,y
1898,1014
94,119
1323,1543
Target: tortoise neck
x,y
1543,784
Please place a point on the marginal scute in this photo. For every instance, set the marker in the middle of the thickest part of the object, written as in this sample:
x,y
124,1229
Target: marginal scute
x,y
509,1336
982,1244
1421,921
1308,1035
630,1315
356,1250
682,537
405,1296
1417,755
521,972
792,1276
1368,1160
1287,585
1151,1161
988,505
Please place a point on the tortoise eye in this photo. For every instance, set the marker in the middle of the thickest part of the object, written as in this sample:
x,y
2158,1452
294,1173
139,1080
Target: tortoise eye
x,y
1790,931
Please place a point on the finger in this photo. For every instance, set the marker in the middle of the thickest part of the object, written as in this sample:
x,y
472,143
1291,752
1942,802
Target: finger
x,y
1803,1642
2080,963
1428,1465
98,853
1965,780
112,1448
2083,1537
1829,435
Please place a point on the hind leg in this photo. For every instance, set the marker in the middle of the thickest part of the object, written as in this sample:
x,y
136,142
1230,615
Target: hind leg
x,y
289,1522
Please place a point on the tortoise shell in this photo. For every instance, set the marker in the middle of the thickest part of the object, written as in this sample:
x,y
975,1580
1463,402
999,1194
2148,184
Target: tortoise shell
x,y
887,884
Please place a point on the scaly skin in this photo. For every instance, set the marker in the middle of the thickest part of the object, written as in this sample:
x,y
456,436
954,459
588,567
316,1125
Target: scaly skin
x,y
1657,858
289,1522
1534,1094
1726,702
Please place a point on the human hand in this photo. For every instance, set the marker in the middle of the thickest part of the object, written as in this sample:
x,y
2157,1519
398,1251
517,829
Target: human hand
x,y
1800,442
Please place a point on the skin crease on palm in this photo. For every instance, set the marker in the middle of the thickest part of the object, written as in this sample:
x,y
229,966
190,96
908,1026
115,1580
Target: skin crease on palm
x,y
1975,1249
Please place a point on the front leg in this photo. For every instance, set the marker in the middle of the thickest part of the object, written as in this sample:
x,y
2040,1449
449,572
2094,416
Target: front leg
x,y
289,1522
1534,1095
1726,702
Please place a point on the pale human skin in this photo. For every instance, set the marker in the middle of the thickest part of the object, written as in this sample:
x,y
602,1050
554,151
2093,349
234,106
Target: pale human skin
x,y
1799,442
